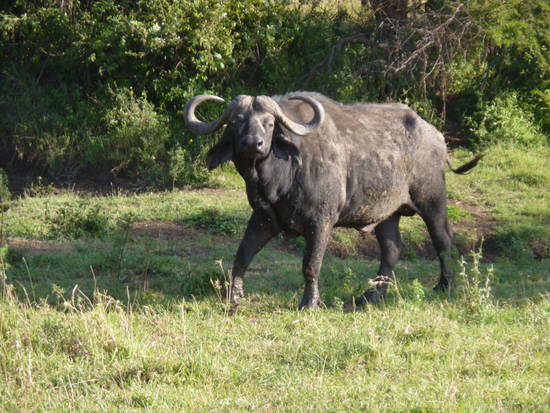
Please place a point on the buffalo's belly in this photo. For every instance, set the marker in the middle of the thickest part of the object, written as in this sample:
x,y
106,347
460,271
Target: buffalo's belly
x,y
365,210
377,186
295,214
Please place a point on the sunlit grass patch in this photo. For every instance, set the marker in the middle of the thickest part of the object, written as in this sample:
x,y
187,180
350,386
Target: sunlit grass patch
x,y
116,303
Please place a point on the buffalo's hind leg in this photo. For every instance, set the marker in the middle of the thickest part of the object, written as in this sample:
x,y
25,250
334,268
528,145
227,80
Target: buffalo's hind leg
x,y
389,239
438,228
434,214
258,233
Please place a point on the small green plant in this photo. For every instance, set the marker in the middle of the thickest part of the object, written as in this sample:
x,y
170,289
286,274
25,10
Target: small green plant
x,y
78,220
40,188
185,170
340,286
455,213
413,291
120,241
475,285
222,287
202,283
514,245
217,221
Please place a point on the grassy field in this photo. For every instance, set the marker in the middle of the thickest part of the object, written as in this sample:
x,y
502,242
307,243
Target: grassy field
x,y
114,302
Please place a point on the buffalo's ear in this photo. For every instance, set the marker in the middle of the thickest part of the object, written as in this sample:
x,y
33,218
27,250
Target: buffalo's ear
x,y
220,153
284,148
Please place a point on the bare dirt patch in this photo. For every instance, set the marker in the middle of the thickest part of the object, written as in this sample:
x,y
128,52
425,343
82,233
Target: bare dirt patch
x,y
31,246
168,230
190,240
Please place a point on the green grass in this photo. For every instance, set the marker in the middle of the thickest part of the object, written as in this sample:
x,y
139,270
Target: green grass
x,y
102,355
115,303
511,184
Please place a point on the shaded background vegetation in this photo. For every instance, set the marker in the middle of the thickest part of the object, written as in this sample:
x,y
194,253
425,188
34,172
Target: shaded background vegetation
x,y
97,88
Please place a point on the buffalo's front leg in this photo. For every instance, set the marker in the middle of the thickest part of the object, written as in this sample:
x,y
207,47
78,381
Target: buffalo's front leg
x,y
258,232
316,243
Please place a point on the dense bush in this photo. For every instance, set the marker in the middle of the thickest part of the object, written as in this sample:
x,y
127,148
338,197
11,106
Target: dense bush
x,y
100,85
134,141
504,119
5,194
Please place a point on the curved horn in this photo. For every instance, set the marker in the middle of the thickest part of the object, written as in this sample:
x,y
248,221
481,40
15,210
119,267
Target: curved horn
x,y
307,128
200,127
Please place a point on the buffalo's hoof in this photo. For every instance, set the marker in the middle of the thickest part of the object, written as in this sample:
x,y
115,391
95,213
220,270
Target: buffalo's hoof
x,y
235,299
373,295
442,285
311,304
236,291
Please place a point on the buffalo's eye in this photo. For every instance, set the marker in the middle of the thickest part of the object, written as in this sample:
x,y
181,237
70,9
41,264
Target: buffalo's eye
x,y
238,119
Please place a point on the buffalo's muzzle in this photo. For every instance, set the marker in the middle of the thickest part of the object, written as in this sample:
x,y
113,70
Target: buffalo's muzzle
x,y
252,144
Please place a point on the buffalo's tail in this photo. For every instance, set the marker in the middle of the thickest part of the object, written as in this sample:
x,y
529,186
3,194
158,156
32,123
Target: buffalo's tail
x,y
467,166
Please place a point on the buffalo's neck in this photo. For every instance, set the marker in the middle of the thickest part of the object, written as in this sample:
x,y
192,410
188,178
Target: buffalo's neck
x,y
267,181
275,177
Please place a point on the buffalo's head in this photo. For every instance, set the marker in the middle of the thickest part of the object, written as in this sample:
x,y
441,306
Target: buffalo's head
x,y
256,126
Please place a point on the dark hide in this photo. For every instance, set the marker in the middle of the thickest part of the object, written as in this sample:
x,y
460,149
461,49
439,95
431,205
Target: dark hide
x,y
364,167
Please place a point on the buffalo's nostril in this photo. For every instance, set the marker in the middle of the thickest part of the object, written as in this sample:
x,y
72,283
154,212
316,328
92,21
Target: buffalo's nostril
x,y
260,143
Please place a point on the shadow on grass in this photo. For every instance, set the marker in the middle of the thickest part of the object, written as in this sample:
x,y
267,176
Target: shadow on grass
x,y
158,271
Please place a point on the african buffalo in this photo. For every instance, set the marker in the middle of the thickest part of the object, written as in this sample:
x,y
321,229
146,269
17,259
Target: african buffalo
x,y
311,164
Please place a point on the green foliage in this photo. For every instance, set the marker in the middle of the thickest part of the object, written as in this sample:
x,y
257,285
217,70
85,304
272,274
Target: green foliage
x,y
5,194
200,283
520,34
456,213
413,291
135,140
39,188
47,126
504,119
339,285
218,221
76,220
185,169
515,244
100,86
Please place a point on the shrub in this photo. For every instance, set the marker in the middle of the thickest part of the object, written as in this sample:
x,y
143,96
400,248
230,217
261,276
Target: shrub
x,y
5,193
135,141
183,169
100,86
504,119
5,196
45,127
201,283
217,221
413,291
78,220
